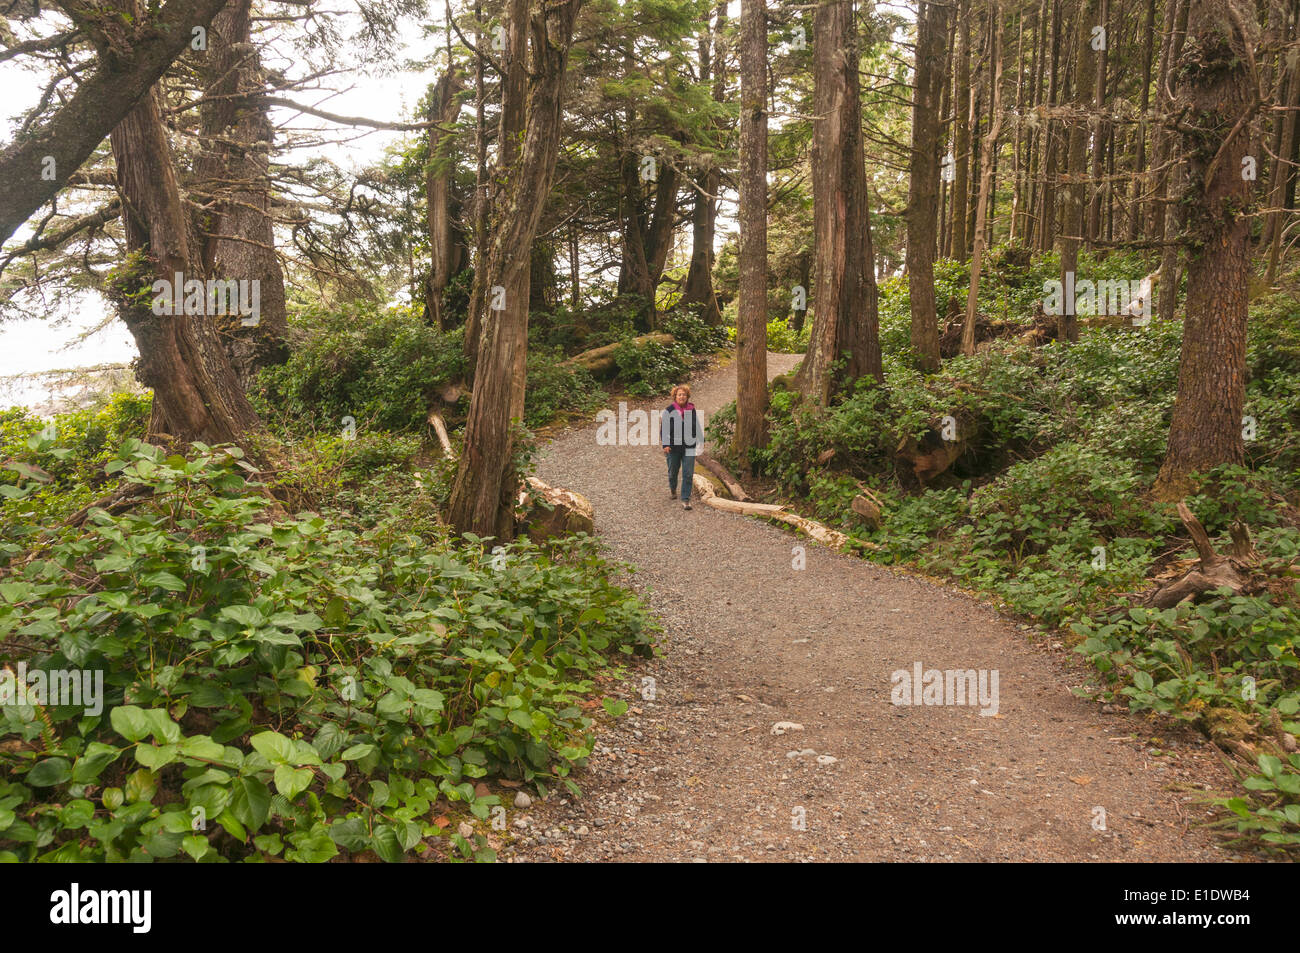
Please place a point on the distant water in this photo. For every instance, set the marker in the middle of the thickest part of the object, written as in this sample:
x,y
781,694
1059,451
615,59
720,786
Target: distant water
x,y
28,347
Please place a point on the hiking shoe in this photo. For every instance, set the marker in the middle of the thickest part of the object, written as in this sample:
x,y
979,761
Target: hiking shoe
x,y
672,493
686,506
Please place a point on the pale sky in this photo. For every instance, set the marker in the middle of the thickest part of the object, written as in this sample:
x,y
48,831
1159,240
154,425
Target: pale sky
x,y
42,344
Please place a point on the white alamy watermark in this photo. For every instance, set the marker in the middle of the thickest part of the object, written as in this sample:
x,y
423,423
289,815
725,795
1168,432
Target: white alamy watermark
x,y
645,428
212,297
78,687
74,905
954,686
1108,296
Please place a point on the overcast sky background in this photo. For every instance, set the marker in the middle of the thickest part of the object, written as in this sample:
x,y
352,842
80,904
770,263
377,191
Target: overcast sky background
x,y
52,343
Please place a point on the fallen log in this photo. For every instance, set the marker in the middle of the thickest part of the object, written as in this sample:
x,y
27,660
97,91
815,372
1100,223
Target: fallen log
x,y
718,470
821,533
599,361
440,428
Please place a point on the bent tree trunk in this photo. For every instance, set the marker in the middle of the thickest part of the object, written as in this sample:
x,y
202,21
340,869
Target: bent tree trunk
x,y
484,493
133,60
1216,90
196,395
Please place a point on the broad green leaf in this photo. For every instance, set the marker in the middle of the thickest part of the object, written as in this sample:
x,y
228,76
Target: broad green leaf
x,y
49,772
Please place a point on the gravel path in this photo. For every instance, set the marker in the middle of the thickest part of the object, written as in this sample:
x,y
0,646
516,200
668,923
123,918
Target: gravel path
x,y
698,772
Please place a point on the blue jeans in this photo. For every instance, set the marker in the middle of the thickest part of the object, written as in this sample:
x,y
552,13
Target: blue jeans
x,y
680,458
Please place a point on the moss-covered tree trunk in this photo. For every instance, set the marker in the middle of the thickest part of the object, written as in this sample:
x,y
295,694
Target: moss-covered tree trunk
x,y
1216,100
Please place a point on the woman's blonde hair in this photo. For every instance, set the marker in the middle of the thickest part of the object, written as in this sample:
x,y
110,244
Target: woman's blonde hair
x,y
681,387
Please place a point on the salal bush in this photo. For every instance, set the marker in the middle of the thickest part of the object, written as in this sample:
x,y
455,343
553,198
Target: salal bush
x,y
280,687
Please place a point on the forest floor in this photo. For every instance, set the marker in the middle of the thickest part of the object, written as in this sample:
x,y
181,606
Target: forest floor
x,y
697,773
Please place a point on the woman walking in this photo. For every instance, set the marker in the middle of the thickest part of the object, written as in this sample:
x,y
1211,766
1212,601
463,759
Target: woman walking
x,y
679,433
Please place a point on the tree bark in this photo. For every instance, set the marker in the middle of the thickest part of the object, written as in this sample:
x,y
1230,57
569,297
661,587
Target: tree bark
x,y
698,290
844,304
484,492
1140,165
961,135
1076,191
751,329
1216,90
446,252
987,157
1101,130
1045,228
195,393
923,186
233,173
1283,172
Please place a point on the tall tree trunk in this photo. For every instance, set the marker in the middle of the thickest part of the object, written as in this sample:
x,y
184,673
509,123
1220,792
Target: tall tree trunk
x,y
1170,49
1140,167
704,215
1016,171
844,305
647,234
961,135
1282,171
1045,230
1101,130
1076,163
987,158
1033,158
947,132
195,393
483,493
923,186
1216,89
751,323
542,281
445,250
575,277
473,318
233,179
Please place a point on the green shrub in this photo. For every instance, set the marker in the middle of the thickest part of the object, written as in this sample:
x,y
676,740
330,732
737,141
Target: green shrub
x,y
692,331
62,462
301,689
651,368
1069,495
784,339
381,367
554,389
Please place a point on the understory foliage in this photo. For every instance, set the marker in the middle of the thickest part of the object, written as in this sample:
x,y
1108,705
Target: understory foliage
x,y
1047,506
384,368
327,684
